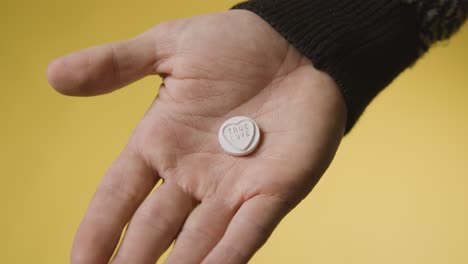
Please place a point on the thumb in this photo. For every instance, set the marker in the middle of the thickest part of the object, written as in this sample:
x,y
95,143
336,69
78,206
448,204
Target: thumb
x,y
105,68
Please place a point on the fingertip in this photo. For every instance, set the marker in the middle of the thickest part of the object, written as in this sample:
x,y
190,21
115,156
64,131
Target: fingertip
x,y
55,76
81,74
69,75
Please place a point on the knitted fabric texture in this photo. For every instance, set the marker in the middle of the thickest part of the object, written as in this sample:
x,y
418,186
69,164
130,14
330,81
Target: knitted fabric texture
x,y
438,19
362,45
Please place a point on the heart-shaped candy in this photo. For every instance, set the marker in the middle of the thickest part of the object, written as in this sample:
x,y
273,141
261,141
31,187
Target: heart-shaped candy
x,y
239,135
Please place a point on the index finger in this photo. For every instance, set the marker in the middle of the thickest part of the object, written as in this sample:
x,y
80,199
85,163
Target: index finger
x,y
124,187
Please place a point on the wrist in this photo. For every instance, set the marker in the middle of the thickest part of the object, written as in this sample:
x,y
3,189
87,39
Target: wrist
x,y
362,46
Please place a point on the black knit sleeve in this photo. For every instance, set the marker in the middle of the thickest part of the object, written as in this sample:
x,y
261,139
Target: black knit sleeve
x,y
362,45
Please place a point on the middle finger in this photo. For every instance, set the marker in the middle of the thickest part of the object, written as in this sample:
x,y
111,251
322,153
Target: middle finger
x,y
155,225
201,232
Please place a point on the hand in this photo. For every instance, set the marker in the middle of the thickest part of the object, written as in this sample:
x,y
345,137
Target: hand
x,y
219,208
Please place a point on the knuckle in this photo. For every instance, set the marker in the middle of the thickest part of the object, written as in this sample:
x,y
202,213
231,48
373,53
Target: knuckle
x,y
155,218
119,191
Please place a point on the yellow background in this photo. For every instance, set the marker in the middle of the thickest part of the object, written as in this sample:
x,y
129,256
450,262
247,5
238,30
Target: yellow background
x,y
396,193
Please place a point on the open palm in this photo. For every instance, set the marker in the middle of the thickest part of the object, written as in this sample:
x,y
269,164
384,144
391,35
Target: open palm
x,y
219,208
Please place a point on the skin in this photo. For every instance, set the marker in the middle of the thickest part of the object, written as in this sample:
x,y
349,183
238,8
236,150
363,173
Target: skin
x,y
218,208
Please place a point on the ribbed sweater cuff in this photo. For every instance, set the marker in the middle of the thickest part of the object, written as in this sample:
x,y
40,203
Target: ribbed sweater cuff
x,y
362,45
